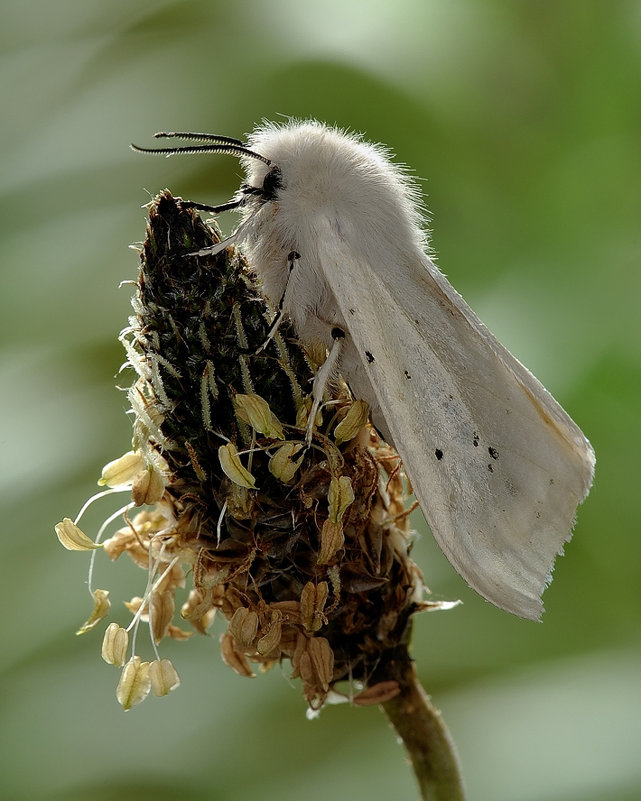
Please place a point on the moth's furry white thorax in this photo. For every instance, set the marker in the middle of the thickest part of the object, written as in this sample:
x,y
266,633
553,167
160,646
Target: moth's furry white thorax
x,y
327,178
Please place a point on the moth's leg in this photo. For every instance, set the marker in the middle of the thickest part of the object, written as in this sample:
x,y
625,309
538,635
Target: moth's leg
x,y
236,203
192,204
291,260
322,378
217,248
212,250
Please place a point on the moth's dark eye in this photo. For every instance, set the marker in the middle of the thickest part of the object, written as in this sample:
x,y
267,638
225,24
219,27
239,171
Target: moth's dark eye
x,y
268,191
272,184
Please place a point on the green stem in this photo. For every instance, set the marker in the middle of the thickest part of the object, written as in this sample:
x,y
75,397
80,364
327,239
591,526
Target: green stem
x,y
421,727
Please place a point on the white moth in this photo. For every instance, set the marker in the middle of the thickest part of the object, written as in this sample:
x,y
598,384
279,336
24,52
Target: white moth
x,y
334,229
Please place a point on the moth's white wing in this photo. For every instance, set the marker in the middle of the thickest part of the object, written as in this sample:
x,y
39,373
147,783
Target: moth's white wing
x,y
497,465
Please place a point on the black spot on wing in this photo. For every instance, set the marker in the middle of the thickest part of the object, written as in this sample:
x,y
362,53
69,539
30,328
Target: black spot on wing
x,y
438,453
475,440
369,356
493,452
407,375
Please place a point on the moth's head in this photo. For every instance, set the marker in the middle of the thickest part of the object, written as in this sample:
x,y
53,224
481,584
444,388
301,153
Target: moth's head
x,y
306,154
263,183
317,167
311,167
296,155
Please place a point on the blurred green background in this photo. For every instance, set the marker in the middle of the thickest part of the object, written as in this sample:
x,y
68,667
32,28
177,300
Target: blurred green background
x,y
524,118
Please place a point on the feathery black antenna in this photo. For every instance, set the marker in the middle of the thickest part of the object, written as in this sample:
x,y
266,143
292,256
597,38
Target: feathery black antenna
x,y
219,144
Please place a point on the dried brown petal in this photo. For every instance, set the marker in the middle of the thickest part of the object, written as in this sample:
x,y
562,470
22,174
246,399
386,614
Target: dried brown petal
x,y
356,417
322,658
148,487
119,543
134,605
316,352
339,497
282,464
174,576
332,540
199,609
296,657
270,641
312,602
233,468
240,502
255,410
233,657
163,677
101,608
313,661
162,612
306,671
115,644
302,415
290,610
135,539
73,538
288,640
377,694
134,684
122,471
176,633
138,552
243,627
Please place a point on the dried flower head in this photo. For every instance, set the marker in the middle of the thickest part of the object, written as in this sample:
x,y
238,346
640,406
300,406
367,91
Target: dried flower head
x,y
304,550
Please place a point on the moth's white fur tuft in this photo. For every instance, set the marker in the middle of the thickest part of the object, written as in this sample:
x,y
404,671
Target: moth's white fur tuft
x,y
332,175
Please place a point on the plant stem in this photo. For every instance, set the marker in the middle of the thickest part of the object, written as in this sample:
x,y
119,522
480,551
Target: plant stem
x,y
422,730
